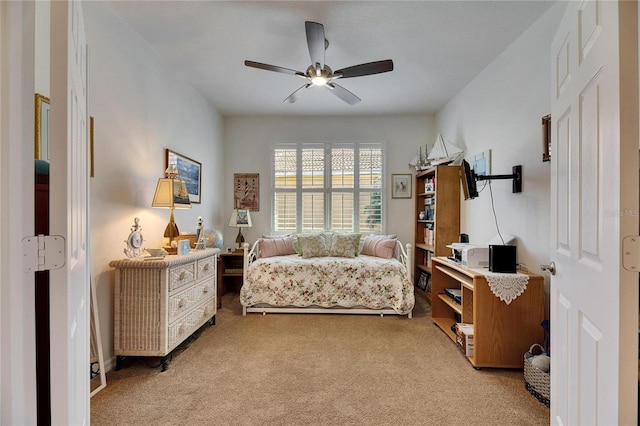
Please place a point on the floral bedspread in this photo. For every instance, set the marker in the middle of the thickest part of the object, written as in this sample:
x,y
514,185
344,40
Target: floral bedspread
x,y
327,282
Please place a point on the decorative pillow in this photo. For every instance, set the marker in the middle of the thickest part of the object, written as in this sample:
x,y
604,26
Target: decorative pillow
x,y
379,246
312,246
390,236
327,239
270,247
344,245
270,237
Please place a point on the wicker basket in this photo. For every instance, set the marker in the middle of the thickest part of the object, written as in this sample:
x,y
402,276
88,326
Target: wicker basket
x,y
536,381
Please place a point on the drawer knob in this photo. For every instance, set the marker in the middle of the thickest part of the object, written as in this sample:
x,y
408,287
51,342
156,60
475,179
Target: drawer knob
x,y
206,267
181,329
182,302
182,274
205,289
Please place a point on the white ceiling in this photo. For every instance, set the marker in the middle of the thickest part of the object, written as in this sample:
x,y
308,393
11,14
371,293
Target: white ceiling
x,y
437,47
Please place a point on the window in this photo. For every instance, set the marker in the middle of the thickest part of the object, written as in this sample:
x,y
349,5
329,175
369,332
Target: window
x,y
328,187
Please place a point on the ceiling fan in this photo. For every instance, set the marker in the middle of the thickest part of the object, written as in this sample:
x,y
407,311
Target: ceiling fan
x,y
319,74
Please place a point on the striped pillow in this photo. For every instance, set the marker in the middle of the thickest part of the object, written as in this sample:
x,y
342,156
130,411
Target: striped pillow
x,y
379,246
270,247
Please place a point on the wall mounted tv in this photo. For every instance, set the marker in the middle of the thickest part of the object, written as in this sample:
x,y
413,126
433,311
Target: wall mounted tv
x,y
469,179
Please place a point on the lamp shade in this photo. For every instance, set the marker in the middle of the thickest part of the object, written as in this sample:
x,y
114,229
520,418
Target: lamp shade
x,y
240,219
171,194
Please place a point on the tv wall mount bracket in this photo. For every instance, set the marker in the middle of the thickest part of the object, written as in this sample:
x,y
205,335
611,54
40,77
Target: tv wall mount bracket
x,y
516,175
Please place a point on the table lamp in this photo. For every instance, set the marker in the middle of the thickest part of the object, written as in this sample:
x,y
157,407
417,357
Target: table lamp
x,y
171,193
240,219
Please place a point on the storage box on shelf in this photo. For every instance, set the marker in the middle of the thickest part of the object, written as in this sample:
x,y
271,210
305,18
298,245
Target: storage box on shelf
x,y
437,219
501,332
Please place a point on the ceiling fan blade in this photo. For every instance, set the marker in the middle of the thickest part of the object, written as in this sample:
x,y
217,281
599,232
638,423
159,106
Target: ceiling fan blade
x,y
316,43
369,68
296,95
268,67
343,93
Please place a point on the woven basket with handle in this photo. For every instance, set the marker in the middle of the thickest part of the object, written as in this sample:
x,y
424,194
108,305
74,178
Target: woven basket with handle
x,y
536,381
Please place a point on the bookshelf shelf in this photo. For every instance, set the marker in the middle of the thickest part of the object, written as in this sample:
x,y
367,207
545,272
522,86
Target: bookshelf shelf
x,y
438,196
424,268
456,307
445,324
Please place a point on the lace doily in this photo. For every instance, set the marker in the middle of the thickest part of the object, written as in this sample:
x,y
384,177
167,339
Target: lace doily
x,y
507,286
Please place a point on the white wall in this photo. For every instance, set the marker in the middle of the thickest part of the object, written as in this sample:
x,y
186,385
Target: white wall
x,y
249,140
42,57
140,108
501,110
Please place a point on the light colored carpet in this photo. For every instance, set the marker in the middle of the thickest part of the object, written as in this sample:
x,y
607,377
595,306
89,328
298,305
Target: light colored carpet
x,y
293,369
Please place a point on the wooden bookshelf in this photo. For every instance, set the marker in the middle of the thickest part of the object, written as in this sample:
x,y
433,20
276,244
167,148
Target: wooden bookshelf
x,y
437,191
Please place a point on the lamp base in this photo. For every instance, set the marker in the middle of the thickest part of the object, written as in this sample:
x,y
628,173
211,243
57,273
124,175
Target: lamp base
x,y
240,239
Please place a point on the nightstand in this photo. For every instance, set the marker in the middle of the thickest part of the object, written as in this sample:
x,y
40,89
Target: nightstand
x,y
230,272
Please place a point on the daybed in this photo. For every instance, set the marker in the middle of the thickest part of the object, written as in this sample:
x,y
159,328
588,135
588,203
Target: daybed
x,y
339,276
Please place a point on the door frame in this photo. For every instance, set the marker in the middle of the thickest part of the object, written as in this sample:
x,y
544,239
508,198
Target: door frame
x,y
17,312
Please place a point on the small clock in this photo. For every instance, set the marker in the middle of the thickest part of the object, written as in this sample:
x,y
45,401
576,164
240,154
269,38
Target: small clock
x,y
134,241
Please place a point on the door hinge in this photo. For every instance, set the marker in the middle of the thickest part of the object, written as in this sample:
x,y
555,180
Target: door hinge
x,y
631,253
43,253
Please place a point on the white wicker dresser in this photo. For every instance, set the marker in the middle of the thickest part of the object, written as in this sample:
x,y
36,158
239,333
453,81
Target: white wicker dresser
x,y
160,303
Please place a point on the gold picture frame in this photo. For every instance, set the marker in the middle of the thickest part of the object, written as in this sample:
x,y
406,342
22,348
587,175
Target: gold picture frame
x,y
41,127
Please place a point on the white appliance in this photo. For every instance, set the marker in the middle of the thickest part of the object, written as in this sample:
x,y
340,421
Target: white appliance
x,y
471,255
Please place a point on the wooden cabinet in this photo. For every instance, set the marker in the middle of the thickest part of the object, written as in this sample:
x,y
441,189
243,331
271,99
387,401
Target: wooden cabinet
x,y
437,217
230,271
502,332
159,303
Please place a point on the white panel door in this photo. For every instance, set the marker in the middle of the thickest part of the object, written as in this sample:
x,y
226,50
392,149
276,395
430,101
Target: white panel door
x,y
69,287
17,311
594,204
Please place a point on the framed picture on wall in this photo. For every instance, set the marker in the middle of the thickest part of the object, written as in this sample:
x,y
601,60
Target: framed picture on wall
x,y
246,191
546,138
400,186
190,171
42,127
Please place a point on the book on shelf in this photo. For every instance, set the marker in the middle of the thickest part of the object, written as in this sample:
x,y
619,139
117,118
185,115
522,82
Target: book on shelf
x,y
429,185
429,235
426,258
454,293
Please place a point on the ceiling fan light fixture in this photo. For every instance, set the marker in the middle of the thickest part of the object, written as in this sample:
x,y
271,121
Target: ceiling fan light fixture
x,y
319,74
319,81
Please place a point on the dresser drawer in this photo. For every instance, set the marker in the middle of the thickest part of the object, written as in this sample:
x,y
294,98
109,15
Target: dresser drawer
x,y
205,267
179,276
181,302
187,324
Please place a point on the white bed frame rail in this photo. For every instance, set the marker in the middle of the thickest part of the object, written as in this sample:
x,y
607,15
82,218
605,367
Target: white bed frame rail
x,y
402,253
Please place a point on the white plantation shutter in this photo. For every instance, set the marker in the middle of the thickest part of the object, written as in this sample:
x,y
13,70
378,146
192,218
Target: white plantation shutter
x,y
285,162
342,218
328,187
370,189
312,211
